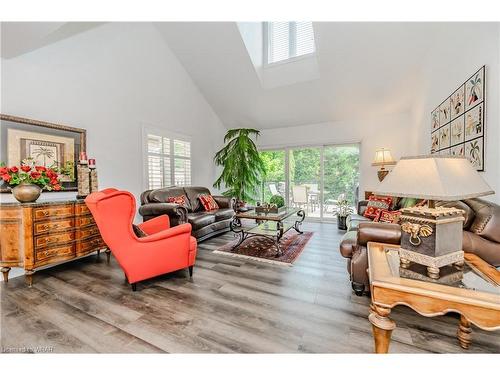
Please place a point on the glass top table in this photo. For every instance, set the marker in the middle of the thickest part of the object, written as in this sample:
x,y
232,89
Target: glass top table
x,y
471,289
269,225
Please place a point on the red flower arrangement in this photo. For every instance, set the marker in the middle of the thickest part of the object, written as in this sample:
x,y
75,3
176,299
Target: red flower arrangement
x,y
39,175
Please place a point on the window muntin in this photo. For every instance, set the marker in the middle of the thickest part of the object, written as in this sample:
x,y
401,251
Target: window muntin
x,y
287,40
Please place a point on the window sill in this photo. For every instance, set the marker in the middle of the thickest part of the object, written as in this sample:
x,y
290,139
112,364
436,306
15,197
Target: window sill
x,y
290,60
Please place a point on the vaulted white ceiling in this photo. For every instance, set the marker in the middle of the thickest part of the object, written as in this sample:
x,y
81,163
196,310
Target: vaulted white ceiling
x,y
362,69
365,69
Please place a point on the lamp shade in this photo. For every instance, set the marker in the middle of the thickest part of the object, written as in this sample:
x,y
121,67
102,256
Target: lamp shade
x,y
383,157
445,178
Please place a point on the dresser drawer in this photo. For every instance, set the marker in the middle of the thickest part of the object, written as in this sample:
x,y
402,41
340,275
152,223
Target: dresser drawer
x,y
55,225
81,209
81,221
89,245
86,232
60,251
42,213
53,239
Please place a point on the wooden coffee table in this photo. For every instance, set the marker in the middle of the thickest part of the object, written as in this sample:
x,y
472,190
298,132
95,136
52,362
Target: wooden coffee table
x,y
269,225
473,292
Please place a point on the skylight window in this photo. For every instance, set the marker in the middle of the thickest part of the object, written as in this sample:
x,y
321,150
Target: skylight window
x,y
287,40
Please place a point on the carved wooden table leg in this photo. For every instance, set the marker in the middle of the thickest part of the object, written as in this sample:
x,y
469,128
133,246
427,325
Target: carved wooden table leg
x,y
5,271
108,255
382,327
28,275
464,332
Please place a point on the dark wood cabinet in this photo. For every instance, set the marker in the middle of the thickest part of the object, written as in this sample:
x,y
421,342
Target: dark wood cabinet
x,y
35,235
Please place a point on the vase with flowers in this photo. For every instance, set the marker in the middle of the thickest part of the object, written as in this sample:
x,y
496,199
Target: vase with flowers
x,y
28,180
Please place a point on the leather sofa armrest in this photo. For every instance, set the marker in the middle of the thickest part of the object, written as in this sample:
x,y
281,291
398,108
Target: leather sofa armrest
x,y
172,210
362,207
379,232
225,202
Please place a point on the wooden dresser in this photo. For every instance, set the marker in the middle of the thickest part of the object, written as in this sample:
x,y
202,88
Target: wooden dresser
x,y
40,234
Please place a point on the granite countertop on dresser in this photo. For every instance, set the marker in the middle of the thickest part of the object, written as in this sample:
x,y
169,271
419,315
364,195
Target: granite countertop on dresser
x,y
42,203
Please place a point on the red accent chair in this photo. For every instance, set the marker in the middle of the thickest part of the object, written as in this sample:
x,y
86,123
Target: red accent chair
x,y
163,250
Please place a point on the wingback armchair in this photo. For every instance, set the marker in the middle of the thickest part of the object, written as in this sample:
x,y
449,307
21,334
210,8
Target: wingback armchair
x,y
161,250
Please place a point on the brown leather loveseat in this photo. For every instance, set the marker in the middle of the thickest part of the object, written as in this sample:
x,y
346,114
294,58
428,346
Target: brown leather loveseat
x,y
205,224
481,236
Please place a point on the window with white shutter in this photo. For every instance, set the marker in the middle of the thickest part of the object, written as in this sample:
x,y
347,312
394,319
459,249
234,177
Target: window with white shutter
x,y
287,40
168,160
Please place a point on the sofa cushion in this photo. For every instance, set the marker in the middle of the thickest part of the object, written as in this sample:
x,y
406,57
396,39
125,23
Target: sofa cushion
x,y
181,200
162,195
353,221
223,214
193,192
487,220
375,205
386,216
208,202
199,220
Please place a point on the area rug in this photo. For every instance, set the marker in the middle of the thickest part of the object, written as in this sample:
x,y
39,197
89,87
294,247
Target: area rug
x,y
264,250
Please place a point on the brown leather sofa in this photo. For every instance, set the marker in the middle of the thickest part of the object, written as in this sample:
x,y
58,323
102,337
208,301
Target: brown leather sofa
x,y
481,236
205,224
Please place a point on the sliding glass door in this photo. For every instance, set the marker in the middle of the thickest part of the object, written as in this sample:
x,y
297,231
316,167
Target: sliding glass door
x,y
340,176
312,178
305,179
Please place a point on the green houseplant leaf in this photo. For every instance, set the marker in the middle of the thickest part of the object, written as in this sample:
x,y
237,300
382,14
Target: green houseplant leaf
x,y
242,166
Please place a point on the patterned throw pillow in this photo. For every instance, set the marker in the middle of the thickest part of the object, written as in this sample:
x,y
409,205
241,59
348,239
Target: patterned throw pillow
x,y
375,205
180,200
208,202
386,216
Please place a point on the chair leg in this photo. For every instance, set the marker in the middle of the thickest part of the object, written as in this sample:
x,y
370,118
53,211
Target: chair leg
x,y
190,268
134,287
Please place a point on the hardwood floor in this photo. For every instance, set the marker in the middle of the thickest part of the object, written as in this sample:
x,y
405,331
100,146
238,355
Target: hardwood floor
x,y
230,305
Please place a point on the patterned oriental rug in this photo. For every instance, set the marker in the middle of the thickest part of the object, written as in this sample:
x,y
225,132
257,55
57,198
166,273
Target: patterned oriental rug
x,y
264,250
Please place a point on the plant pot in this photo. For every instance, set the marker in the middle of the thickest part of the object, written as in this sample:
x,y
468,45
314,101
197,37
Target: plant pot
x,y
342,222
26,193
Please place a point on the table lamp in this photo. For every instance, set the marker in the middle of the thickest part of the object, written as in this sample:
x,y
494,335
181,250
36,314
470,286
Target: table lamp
x,y
433,236
383,157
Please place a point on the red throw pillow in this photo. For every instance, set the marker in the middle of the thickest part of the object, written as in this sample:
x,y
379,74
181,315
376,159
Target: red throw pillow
x,y
180,200
386,216
375,205
208,202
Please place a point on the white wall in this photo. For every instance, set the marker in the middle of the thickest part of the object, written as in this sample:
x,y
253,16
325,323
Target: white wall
x,y
112,80
391,132
457,51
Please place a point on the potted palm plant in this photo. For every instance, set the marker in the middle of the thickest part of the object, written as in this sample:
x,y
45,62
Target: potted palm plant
x,y
343,211
242,166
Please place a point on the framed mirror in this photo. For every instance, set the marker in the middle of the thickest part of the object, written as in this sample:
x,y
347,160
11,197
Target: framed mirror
x,y
50,145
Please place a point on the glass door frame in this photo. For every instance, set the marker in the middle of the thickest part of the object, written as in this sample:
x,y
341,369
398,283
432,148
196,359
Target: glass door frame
x,y
322,147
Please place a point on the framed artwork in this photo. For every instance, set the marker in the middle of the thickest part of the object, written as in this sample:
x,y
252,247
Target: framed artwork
x,y
444,112
458,150
444,137
474,122
458,123
435,119
435,142
51,145
457,131
474,152
474,89
457,103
